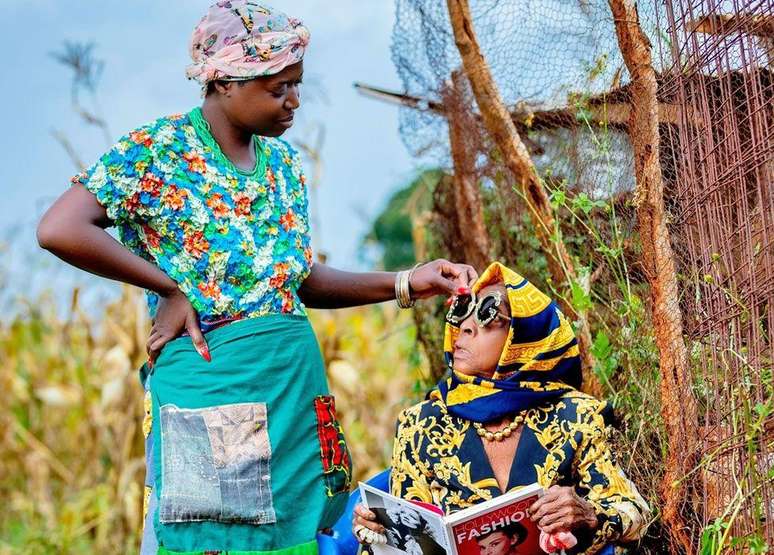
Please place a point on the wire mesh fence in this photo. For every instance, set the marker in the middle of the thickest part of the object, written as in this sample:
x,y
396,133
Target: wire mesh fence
x,y
719,163
561,73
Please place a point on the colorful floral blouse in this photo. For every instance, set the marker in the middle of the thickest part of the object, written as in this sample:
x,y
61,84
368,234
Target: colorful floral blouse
x,y
236,242
440,459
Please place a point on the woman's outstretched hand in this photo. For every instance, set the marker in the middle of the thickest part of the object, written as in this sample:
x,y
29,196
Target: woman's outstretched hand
x,y
327,287
441,277
175,314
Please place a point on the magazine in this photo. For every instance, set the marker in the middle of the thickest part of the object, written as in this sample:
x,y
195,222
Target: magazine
x,y
499,526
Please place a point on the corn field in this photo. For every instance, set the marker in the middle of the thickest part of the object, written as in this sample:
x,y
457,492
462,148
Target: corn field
x,y
72,461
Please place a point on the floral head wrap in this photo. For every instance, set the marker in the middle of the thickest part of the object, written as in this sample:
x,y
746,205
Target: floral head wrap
x,y
539,361
240,39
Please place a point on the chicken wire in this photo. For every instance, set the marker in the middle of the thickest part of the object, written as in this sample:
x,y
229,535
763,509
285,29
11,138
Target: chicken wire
x,y
561,74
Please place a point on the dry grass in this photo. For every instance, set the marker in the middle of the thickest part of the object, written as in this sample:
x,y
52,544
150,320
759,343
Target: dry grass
x,y
72,460
71,455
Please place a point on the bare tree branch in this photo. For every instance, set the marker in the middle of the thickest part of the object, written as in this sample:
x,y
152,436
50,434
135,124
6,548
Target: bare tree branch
x,y
63,140
87,70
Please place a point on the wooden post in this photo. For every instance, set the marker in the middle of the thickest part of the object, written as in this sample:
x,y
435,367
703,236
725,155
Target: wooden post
x,y
500,125
678,404
467,197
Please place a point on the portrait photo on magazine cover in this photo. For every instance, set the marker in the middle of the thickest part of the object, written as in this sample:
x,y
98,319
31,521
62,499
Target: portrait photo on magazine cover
x,y
406,529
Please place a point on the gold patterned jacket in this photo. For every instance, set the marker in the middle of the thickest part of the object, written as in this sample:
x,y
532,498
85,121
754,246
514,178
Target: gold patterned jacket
x,y
440,459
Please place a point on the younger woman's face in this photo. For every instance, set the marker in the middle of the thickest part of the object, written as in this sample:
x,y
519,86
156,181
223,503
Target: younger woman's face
x,y
265,105
477,350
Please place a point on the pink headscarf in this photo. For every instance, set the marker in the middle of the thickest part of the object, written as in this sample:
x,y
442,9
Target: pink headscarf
x,y
241,39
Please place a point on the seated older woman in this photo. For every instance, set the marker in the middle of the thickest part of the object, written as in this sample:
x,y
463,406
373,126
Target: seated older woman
x,y
509,415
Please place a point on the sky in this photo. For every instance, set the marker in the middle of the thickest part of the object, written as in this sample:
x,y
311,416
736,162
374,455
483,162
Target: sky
x,y
144,44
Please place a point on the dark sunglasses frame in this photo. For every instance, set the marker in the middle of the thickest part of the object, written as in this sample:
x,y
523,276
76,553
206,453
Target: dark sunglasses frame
x,y
458,312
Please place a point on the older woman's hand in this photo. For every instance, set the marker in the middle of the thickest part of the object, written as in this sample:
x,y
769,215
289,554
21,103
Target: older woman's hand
x,y
365,528
563,509
441,277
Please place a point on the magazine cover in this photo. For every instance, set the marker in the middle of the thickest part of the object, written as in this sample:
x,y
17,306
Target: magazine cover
x,y
499,526
409,528
502,529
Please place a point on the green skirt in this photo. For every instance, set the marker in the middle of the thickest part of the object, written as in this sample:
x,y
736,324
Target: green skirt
x,y
246,452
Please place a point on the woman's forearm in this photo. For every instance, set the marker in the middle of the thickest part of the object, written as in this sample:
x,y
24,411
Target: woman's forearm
x,y
326,287
89,247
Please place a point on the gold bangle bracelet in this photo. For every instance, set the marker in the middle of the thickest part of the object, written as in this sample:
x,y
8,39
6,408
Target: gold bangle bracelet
x,y
403,287
408,280
397,289
402,296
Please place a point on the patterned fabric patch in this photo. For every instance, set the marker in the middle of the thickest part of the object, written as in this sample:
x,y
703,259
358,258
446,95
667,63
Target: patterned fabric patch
x,y
145,503
149,545
216,464
337,467
147,420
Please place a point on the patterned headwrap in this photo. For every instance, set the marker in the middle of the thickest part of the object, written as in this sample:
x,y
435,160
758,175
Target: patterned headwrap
x,y
241,39
539,362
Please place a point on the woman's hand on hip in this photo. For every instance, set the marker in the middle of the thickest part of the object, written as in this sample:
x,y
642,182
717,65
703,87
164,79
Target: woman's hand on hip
x,y
561,509
441,277
365,528
175,314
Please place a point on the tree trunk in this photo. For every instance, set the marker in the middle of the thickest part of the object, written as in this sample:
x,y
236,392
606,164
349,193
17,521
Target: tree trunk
x,y
678,405
500,125
467,197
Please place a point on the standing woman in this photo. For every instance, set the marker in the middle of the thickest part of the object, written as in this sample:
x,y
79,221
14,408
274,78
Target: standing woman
x,y
244,450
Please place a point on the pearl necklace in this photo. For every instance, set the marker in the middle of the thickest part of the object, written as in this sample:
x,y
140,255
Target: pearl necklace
x,y
499,435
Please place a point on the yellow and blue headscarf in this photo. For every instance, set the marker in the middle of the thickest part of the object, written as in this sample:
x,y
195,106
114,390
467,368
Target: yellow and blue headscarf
x,y
539,362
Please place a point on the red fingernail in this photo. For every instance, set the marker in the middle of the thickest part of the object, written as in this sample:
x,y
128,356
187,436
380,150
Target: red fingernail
x,y
449,301
463,290
150,364
206,354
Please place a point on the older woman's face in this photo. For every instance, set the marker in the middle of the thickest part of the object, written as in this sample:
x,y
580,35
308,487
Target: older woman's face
x,y
477,350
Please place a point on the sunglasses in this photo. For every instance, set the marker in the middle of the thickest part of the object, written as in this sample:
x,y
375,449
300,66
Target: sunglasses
x,y
484,310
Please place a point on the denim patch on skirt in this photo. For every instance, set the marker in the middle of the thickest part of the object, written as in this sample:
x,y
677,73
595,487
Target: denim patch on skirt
x,y
216,464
